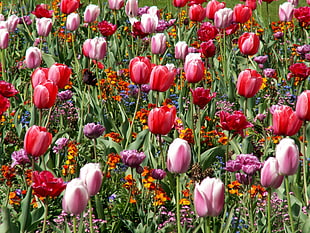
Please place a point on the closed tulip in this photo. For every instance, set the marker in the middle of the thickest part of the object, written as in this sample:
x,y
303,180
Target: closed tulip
x,y
286,11
242,13
44,26
91,175
209,197
33,57
149,23
193,68
179,3
12,22
37,140
95,48
162,77
248,43
179,156
131,8
249,82
251,3
287,154
69,6
140,70
45,94
223,18
158,43
303,106
91,13
93,130
180,50
212,7
161,120
132,158
197,13
116,4
39,75
76,197
285,121
270,176
4,38
59,74
73,21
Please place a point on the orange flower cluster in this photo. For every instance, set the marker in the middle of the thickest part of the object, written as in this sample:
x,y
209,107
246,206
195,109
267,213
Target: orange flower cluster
x,y
279,26
8,174
234,188
15,197
210,137
70,164
113,159
187,134
116,137
132,187
259,191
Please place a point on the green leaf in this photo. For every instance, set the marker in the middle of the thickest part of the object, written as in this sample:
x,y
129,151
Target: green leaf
x,y
25,217
208,157
7,226
139,140
48,59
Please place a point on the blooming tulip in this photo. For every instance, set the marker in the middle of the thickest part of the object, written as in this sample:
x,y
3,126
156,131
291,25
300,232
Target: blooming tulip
x,y
242,13
270,176
179,156
95,48
116,4
45,95
44,26
208,48
91,13
69,6
207,31
197,13
4,104
248,43
286,11
92,130
92,177
132,158
158,43
161,120
303,106
300,70
302,15
20,157
249,82
179,3
7,89
37,140
73,21
44,184
287,154
212,7
162,77
59,74
12,22
158,174
201,96
41,11
76,197
106,28
4,38
223,18
209,197
193,68
131,8
140,70
285,121
149,23
33,57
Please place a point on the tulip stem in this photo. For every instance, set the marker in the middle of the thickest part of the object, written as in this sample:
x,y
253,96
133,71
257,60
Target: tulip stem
x,y
207,224
90,217
95,152
3,65
178,202
269,210
304,162
45,215
289,204
74,224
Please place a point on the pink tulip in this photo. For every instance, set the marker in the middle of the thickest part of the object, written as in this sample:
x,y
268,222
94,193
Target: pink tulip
x,y
44,26
140,70
158,43
179,3
76,197
91,175
45,95
286,11
193,68
303,106
4,38
116,4
149,23
73,21
212,7
248,43
251,4
209,197
33,57
249,82
38,76
242,13
287,154
161,120
37,140
162,77
95,48
181,50
91,13
12,22
59,74
270,176
223,18
131,8
179,156
197,13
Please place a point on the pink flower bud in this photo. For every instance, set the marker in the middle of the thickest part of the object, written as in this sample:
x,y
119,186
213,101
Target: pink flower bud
x,y
286,11
131,8
194,68
4,38
158,43
116,4
212,7
45,94
149,23
248,43
59,74
33,57
270,176
140,70
95,48
181,50
179,156
249,82
44,26
91,175
303,106
223,18
12,22
39,75
73,21
91,13
287,154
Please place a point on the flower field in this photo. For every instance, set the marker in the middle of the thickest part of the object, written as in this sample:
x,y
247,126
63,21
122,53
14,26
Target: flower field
x,y
118,117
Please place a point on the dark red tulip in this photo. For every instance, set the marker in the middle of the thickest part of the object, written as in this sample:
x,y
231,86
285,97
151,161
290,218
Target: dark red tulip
x,y
161,120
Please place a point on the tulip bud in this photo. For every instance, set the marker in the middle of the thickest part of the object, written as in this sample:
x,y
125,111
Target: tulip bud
x,y
287,154
223,18
270,176
92,177
197,13
209,197
179,156
179,3
303,106
212,7
69,6
4,38
39,75
241,13
45,95
158,43
158,174
73,21
140,70
249,82
37,140
251,4
194,68
149,23
92,130
201,96
181,50
76,197
132,158
248,43
91,13
116,4
44,26
59,74
162,77
12,22
131,8
161,120
286,11
95,48
33,57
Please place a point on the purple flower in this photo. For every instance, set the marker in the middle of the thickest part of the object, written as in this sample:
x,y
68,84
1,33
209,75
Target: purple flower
x,y
61,143
269,73
158,174
243,178
145,88
20,157
261,59
65,95
143,10
278,35
92,130
303,49
248,163
132,158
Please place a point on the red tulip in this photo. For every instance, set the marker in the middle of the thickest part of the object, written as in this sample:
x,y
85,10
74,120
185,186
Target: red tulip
x,y
212,7
37,140
179,3
248,43
285,121
162,77
39,75
208,48
7,89
106,28
41,11
193,68
69,6
4,104
44,184
161,120
140,70
302,14
45,95
242,13
207,31
201,96
197,13
249,82
59,74
303,106
251,3
300,70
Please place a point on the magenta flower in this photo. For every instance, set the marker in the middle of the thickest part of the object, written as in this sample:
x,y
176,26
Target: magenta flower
x,y
132,158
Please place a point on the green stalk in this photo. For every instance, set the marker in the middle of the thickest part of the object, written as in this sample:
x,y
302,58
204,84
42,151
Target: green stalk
x,y
269,210
198,126
207,224
178,202
95,152
90,217
3,65
74,224
45,215
304,162
289,204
